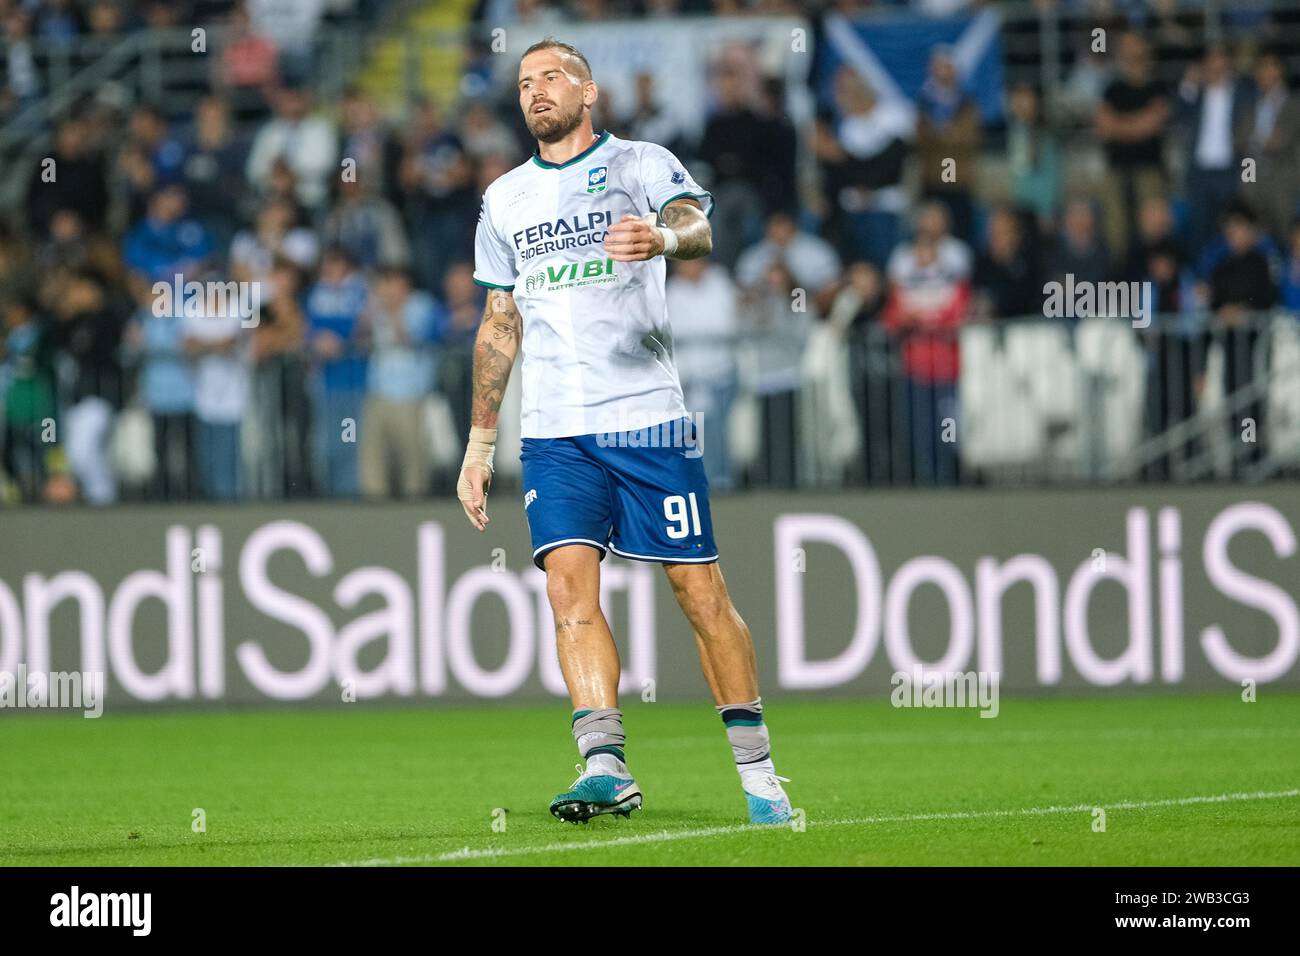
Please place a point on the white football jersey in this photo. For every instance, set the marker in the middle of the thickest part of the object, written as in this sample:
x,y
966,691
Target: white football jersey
x,y
597,346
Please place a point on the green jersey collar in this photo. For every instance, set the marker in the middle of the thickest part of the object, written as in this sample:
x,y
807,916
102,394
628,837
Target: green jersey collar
x,y
600,141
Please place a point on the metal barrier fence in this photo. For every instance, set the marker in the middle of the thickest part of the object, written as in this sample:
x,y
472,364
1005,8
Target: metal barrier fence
x,y
1028,401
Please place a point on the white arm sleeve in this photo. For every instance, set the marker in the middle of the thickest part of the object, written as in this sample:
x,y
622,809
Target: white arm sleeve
x,y
494,260
665,179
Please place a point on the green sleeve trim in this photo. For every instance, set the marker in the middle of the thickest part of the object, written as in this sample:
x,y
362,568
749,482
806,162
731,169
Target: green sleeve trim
x,y
493,285
700,196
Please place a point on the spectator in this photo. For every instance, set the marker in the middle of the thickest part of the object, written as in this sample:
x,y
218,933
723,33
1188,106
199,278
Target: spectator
x,y
335,305
56,23
307,144
464,300
213,171
278,439
1034,157
401,323
929,300
734,149
21,74
1007,281
1268,131
1131,122
648,121
368,144
69,247
149,134
1245,280
1086,83
281,187
106,19
88,329
811,260
247,65
1212,101
216,344
861,147
275,235
774,344
292,28
77,179
438,194
1159,258
166,243
1079,250
1242,284
367,226
703,303
859,311
947,141
26,396
483,134
156,342
780,147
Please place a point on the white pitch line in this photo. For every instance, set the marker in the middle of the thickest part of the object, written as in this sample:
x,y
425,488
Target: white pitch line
x,y
666,836
992,735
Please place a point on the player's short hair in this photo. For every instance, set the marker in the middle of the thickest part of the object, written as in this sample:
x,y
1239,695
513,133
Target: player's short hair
x,y
551,43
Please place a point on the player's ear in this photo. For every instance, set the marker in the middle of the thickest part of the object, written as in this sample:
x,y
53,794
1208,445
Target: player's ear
x,y
590,93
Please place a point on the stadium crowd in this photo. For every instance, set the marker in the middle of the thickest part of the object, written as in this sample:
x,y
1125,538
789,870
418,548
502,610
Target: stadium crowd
x,y
357,228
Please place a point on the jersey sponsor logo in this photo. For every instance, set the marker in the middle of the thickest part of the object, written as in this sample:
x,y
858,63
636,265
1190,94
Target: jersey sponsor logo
x,y
558,235
597,179
571,275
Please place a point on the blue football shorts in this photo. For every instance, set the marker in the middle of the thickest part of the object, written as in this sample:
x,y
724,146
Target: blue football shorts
x,y
641,494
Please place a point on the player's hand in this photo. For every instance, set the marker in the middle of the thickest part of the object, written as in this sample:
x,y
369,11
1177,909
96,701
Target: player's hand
x,y
472,489
476,475
632,239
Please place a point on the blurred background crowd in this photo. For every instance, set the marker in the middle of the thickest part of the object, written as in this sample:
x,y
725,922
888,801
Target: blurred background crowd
x,y
874,309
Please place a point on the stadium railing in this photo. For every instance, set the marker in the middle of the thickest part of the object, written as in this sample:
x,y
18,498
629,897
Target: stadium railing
x,y
1031,401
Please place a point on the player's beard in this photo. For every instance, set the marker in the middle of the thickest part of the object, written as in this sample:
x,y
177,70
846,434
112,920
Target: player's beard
x,y
553,126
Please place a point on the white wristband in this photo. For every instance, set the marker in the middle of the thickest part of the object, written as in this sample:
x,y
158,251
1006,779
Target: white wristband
x,y
666,235
670,240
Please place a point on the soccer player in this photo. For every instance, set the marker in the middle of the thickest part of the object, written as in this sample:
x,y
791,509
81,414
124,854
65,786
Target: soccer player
x,y
571,246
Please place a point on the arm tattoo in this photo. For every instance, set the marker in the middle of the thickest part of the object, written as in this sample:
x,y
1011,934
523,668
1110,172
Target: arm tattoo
x,y
694,234
495,349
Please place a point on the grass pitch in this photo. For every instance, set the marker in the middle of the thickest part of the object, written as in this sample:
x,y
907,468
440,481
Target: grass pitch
x,y
1185,780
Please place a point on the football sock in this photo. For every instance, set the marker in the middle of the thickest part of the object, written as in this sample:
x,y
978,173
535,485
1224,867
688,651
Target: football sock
x,y
599,734
747,735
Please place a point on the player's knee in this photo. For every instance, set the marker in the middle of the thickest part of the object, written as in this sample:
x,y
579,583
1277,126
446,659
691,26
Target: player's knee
x,y
569,592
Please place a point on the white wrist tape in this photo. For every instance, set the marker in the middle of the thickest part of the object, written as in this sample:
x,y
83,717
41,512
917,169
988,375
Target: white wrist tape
x,y
481,448
668,237
670,240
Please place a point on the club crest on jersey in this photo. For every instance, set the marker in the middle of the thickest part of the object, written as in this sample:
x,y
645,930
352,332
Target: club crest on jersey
x,y
597,179
678,177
